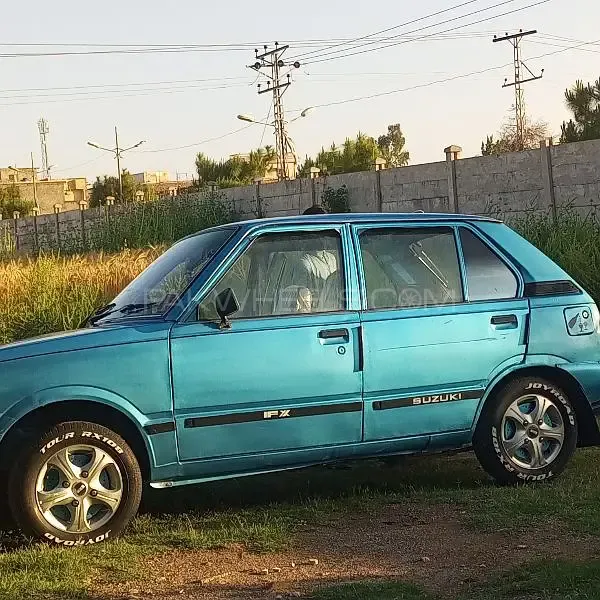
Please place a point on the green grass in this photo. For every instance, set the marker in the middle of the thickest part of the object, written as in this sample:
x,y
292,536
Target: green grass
x,y
371,590
264,514
552,580
265,510
42,572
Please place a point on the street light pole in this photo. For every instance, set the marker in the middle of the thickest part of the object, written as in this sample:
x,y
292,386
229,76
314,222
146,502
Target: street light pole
x,y
118,152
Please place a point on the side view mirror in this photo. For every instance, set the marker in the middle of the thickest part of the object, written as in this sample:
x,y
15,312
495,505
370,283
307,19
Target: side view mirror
x,y
226,304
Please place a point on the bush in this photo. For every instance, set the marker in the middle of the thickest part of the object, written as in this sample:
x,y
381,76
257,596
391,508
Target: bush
x,y
336,200
573,243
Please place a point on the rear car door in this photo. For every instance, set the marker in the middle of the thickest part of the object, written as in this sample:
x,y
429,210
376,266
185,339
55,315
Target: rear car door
x,y
286,376
442,314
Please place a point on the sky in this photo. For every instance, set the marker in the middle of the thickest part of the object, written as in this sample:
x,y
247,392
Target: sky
x,y
180,98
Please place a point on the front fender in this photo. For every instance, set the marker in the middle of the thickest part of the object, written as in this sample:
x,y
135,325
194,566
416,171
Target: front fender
x,y
161,451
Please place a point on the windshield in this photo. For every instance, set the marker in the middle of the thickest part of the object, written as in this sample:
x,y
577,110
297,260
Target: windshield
x,y
157,288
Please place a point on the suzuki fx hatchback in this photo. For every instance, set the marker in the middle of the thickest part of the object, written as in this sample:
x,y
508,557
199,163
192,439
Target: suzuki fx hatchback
x,y
280,343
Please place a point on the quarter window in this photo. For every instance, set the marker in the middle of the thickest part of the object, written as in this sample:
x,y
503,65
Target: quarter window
x,y
488,278
410,267
284,274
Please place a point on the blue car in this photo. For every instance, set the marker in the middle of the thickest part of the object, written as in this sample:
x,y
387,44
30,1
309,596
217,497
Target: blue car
x,y
280,343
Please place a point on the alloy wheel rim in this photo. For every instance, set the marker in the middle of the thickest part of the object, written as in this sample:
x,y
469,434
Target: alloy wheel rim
x,y
533,431
79,489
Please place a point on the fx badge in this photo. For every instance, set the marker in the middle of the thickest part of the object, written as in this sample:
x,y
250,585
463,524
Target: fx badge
x,y
276,414
579,320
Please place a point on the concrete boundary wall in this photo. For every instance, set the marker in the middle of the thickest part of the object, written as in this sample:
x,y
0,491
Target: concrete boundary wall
x,y
544,180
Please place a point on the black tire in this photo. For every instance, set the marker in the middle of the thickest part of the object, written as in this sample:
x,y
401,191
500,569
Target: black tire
x,y
24,474
489,439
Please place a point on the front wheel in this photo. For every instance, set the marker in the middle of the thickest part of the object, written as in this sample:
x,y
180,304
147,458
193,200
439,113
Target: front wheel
x,y
528,432
78,484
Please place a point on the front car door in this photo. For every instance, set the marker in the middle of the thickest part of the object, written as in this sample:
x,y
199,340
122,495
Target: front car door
x,y
442,316
286,376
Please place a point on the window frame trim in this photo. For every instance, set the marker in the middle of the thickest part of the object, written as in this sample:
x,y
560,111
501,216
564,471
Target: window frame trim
x,y
504,259
246,242
357,230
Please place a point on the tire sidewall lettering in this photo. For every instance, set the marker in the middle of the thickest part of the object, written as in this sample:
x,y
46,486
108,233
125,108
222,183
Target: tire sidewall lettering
x,y
102,438
90,435
61,438
80,542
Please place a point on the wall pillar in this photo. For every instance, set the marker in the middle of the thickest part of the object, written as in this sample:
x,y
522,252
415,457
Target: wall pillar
x,y
36,237
314,174
548,178
452,155
378,166
259,208
16,217
57,222
82,207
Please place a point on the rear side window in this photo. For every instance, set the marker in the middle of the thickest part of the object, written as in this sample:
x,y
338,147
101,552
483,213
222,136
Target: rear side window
x,y
410,267
488,277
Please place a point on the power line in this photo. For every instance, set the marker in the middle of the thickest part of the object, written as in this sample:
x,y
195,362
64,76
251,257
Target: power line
x,y
83,96
405,35
441,81
200,143
83,164
540,2
370,35
121,85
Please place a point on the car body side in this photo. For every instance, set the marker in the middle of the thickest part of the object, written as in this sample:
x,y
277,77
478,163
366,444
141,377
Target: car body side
x,y
124,367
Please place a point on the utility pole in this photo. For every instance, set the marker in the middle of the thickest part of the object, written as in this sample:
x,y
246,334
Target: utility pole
x,y
118,152
33,174
277,84
519,65
44,130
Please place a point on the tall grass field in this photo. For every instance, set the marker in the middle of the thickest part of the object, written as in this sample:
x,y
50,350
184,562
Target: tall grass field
x,y
56,292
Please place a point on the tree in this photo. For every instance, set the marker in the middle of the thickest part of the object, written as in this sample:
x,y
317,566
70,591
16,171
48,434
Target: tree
x,y
235,170
11,202
391,146
354,155
584,102
359,153
533,133
109,186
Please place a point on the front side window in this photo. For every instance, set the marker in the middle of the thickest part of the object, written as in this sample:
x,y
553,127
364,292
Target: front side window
x,y
284,274
410,267
488,278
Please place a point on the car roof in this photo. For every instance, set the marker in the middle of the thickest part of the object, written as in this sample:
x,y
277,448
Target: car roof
x,y
358,218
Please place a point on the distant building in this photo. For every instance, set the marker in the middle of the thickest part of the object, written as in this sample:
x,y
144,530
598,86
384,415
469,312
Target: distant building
x,y
15,174
161,183
66,193
271,174
151,177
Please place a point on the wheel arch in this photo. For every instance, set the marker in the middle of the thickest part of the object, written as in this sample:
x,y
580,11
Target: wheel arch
x,y
94,411
588,434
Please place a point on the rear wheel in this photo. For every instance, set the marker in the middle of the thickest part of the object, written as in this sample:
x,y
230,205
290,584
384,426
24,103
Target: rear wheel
x,y
78,484
528,432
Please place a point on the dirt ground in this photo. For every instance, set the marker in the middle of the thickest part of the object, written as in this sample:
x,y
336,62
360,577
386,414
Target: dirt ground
x,y
428,546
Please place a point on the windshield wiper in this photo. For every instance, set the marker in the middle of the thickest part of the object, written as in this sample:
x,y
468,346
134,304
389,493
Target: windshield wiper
x,y
110,309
